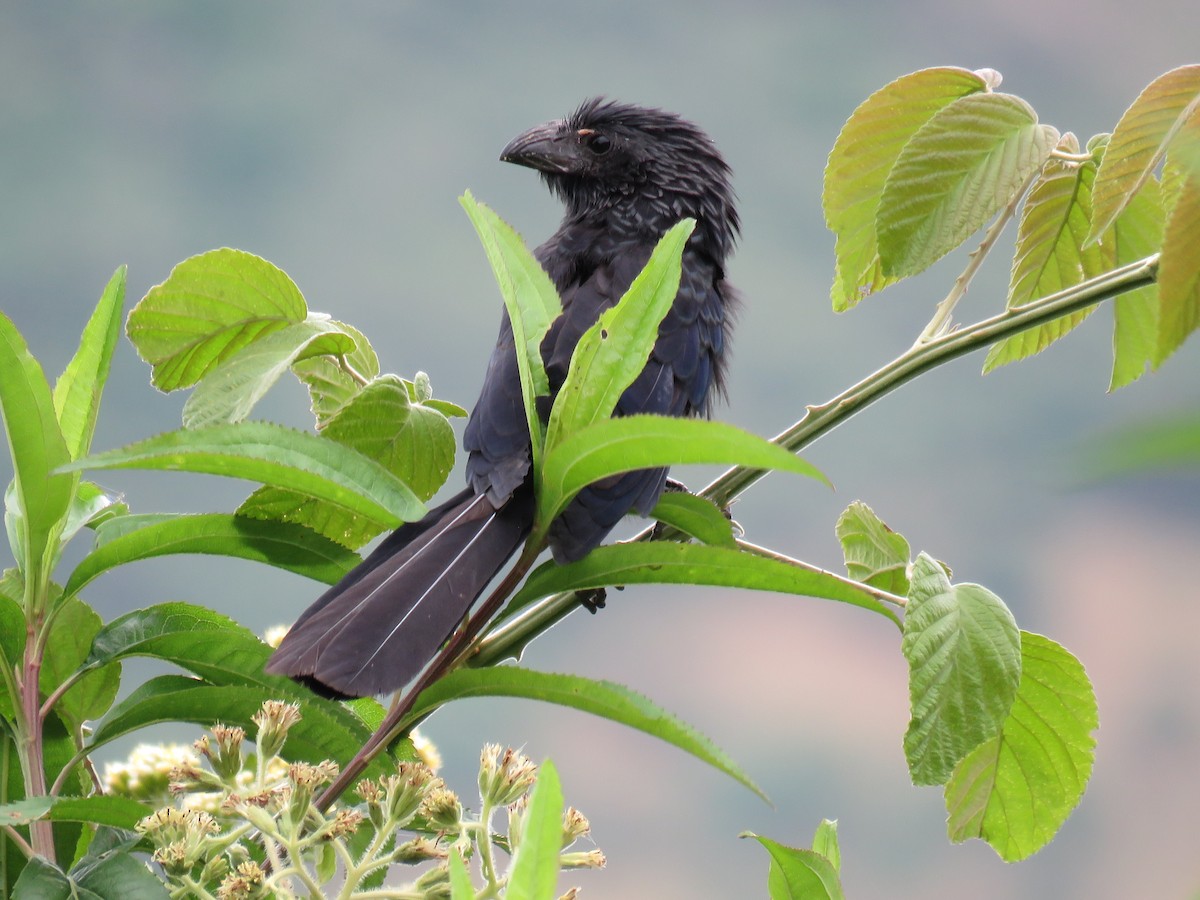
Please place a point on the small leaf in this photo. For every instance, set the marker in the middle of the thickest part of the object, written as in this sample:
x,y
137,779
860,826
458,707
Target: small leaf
x,y
825,842
119,812
863,155
460,879
611,446
290,547
1179,272
658,562
695,516
273,455
965,164
1016,789
77,391
75,624
22,812
91,507
1140,141
964,660
535,864
231,389
599,698
875,554
798,874
612,353
330,386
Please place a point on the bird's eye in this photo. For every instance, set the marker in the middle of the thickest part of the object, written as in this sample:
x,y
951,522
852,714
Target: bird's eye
x,y
598,143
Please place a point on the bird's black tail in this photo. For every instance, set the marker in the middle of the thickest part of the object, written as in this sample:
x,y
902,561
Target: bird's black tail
x,y
377,628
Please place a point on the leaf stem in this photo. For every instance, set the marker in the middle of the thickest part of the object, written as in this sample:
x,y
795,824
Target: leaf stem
x,y
881,595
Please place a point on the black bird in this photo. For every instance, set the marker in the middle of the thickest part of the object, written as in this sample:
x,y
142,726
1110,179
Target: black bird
x,y
625,174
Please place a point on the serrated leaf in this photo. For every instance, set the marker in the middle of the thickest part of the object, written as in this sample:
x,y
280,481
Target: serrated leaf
x,y
231,389
382,422
612,446
210,306
329,385
863,155
695,516
1136,234
874,554
113,810
531,301
612,353
77,391
1179,272
798,874
274,455
290,547
825,843
605,699
962,167
535,864
1050,252
37,448
1016,790
1140,141
75,624
964,660
659,562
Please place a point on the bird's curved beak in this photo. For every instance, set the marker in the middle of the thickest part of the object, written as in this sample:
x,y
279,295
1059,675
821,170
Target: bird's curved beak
x,y
544,147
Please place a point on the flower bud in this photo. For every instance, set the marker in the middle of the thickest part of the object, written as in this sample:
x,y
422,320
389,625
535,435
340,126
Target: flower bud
x,y
441,809
575,826
407,789
589,859
503,777
274,720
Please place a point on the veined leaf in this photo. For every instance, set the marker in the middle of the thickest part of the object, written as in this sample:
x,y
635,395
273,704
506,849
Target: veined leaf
x,y
962,167
659,562
1016,789
118,812
77,391
825,842
1050,251
799,874
599,698
964,662
1140,141
1136,234
230,390
210,306
863,155
1179,272
75,625
612,353
695,516
290,547
330,386
623,444
535,865
277,456
875,554
532,303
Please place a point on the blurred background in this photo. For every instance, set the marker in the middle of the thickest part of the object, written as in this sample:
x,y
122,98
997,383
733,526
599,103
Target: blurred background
x,y
333,139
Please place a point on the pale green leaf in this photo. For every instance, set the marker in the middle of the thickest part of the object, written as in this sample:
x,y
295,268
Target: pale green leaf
x,y
874,554
210,306
330,386
534,872
1016,789
695,516
74,626
1179,272
460,879
859,164
825,842
964,660
799,874
962,167
1141,140
1136,234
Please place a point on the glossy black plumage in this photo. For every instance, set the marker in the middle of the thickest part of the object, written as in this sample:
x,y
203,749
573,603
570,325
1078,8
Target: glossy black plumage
x,y
625,174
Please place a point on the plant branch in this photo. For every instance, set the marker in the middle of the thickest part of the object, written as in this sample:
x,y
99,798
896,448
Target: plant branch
x,y
878,593
507,639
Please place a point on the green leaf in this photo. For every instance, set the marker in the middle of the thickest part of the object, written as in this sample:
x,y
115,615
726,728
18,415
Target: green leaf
x,y
605,699
460,879
289,547
44,881
278,456
825,843
1016,789
659,562
37,449
119,812
534,873
1050,251
330,386
230,390
962,167
75,624
612,353
798,874
119,876
623,444
77,391
531,301
22,812
209,308
696,516
90,508
1179,272
875,554
1141,140
1136,234
383,422
863,155
12,636
964,661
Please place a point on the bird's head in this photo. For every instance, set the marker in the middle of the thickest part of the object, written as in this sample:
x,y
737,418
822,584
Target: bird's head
x,y
647,167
